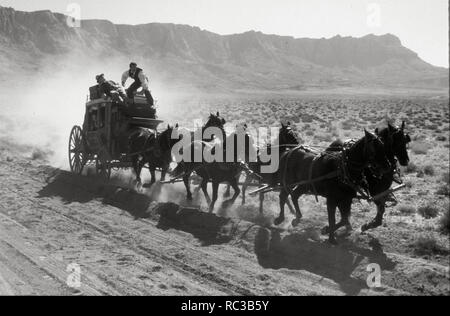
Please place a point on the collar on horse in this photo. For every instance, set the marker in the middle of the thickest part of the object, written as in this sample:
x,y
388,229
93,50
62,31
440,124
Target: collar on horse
x,y
361,185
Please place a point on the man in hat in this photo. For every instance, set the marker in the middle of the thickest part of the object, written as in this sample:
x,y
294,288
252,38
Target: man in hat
x,y
140,80
111,89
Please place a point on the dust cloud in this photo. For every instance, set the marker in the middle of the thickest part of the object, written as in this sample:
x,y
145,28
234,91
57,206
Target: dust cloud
x,y
39,109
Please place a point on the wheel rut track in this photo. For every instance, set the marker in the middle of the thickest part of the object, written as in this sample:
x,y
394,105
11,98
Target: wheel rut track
x,y
207,278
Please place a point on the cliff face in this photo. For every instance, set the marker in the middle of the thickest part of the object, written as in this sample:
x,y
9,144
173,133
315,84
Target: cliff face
x,y
251,59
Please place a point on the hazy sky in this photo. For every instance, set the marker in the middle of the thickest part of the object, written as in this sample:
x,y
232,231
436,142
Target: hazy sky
x,y
422,25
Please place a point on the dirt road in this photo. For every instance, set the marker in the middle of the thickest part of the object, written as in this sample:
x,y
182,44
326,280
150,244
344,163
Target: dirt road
x,y
127,243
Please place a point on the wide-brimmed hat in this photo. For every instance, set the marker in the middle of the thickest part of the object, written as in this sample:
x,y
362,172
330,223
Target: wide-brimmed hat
x,y
98,77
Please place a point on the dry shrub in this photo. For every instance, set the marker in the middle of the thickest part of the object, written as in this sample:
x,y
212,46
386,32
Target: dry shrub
x,y
407,209
444,189
446,177
39,154
444,221
419,148
411,168
428,211
428,170
427,245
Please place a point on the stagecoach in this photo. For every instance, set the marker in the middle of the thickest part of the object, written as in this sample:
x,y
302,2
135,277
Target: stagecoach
x,y
103,138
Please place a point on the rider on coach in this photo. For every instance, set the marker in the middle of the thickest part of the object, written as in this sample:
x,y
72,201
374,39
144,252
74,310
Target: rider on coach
x,y
140,80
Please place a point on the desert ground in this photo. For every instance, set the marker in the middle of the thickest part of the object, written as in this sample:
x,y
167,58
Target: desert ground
x,y
153,242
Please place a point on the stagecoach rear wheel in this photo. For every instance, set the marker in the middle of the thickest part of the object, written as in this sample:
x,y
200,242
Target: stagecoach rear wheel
x,y
76,150
103,169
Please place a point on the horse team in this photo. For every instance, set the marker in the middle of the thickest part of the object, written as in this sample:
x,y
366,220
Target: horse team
x,y
364,167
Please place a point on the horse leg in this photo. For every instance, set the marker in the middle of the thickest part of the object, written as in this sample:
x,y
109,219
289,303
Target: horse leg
x,y
137,169
261,203
295,196
204,186
291,208
152,169
215,185
345,210
331,228
236,189
244,190
283,198
186,178
163,173
227,191
378,220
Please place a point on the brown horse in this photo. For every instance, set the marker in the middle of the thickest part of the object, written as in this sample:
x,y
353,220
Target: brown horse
x,y
156,150
335,176
396,141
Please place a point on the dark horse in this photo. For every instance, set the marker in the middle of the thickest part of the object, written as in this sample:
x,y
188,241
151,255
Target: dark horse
x,y
395,141
155,149
287,139
337,177
198,143
238,150
248,159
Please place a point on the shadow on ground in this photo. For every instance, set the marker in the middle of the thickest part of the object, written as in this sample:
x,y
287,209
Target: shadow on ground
x,y
207,228
275,249
345,264
81,189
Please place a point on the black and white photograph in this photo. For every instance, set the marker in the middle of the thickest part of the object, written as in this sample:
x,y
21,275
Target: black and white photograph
x,y
218,154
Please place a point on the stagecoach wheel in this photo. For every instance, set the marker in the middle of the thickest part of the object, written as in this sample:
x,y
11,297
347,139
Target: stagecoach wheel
x,y
103,169
76,150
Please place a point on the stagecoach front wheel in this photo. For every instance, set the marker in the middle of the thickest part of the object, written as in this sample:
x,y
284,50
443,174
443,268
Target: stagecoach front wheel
x,y
76,150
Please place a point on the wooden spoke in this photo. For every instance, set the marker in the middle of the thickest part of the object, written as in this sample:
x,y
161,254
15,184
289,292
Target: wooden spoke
x,y
76,150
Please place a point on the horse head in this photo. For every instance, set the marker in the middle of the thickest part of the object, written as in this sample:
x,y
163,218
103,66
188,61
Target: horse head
x,y
396,142
169,137
287,136
215,120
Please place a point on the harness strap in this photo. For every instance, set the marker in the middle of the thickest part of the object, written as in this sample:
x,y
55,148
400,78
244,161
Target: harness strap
x,y
346,179
328,176
283,178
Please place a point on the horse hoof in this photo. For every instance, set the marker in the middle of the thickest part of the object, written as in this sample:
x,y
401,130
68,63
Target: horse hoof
x,y
278,221
325,230
333,241
295,222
